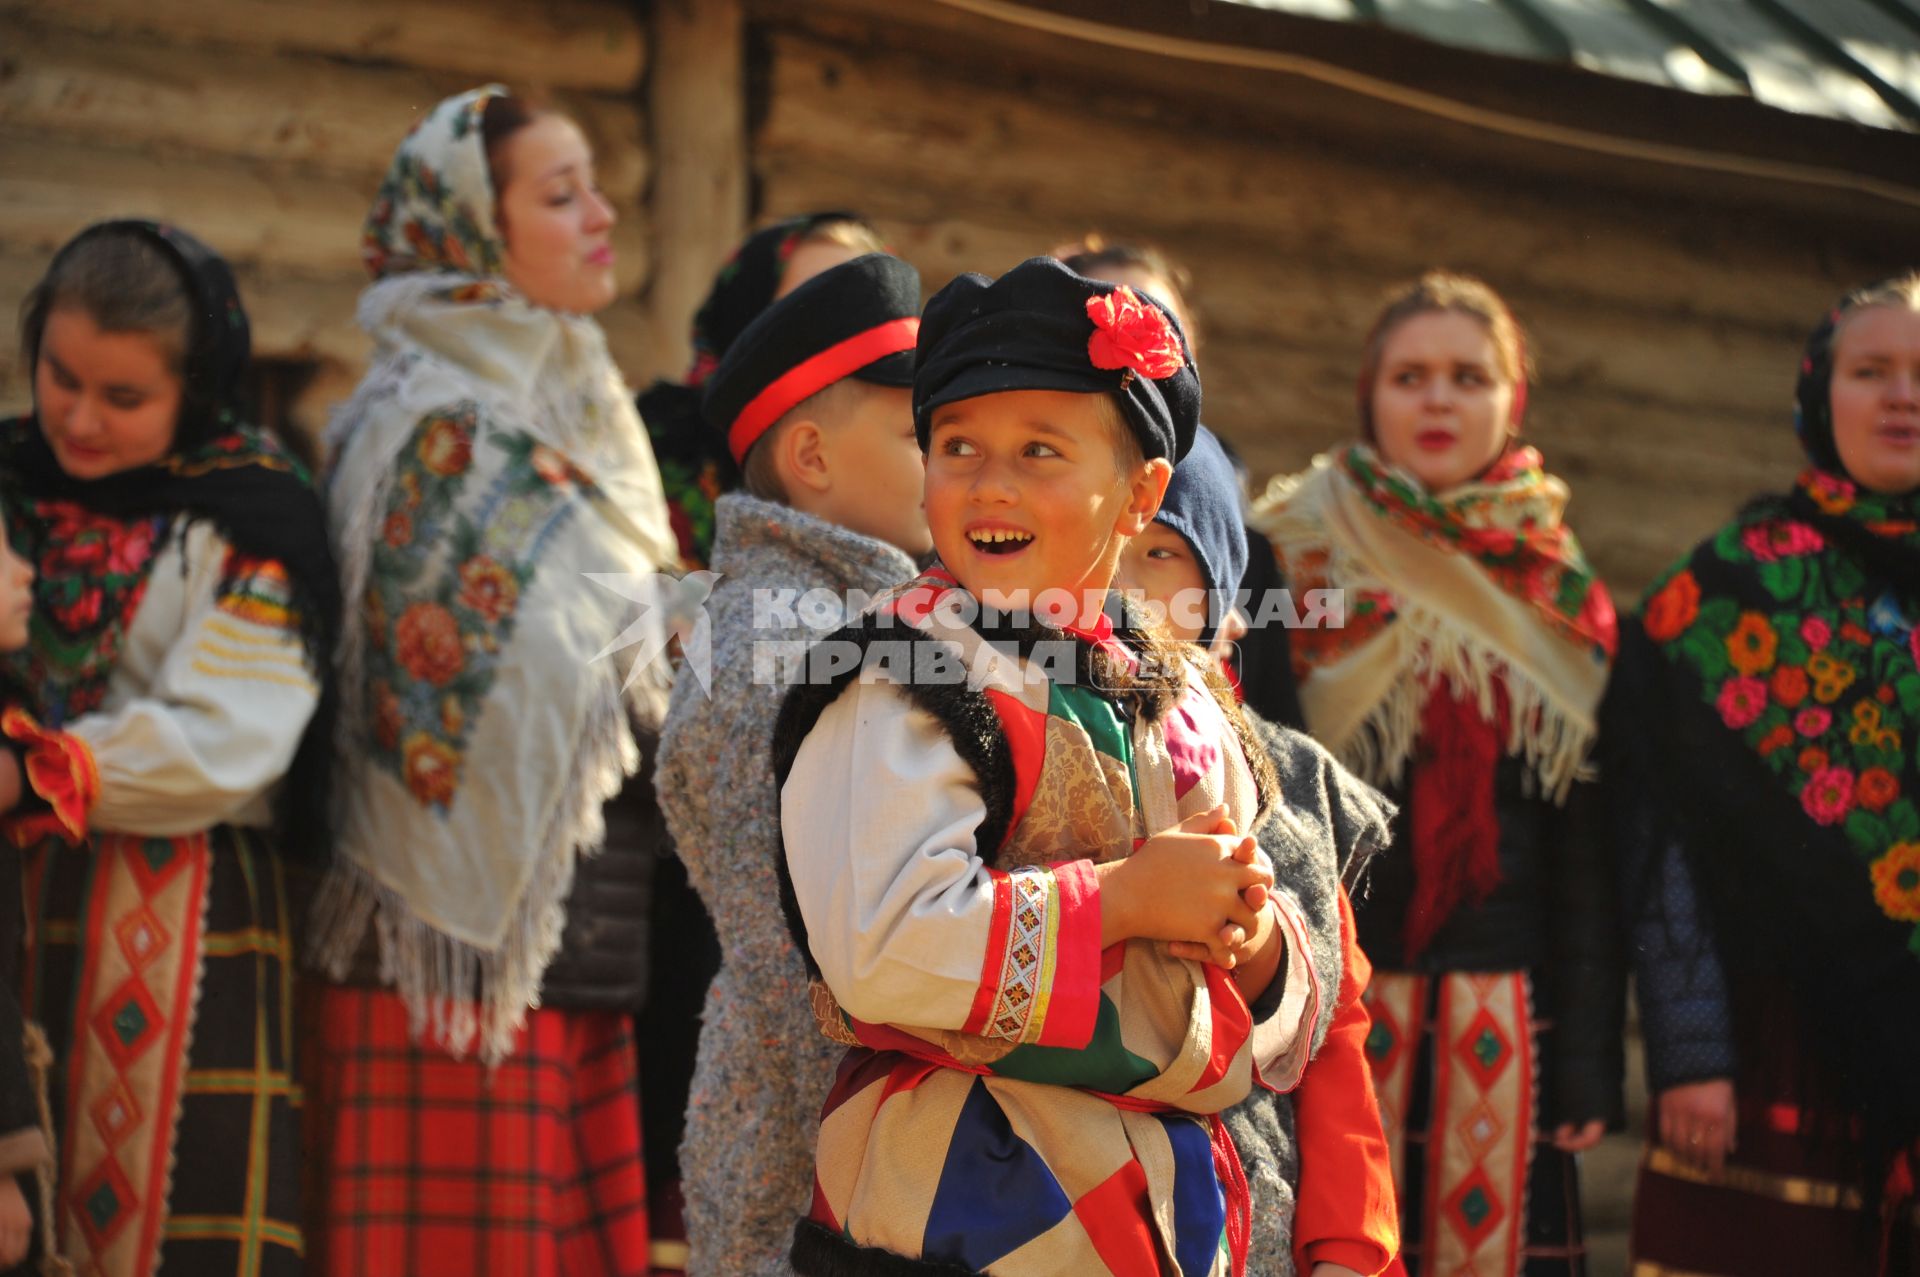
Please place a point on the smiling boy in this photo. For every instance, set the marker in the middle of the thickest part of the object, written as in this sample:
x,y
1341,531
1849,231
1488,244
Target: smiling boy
x,y
982,872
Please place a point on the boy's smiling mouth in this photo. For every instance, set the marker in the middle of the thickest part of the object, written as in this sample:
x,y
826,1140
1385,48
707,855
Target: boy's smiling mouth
x,y
999,540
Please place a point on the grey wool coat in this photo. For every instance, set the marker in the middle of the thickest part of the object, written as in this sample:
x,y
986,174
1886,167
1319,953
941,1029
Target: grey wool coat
x,y
763,1067
1328,825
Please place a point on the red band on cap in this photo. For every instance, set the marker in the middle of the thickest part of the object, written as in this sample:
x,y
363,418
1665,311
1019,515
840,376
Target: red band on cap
x,y
812,375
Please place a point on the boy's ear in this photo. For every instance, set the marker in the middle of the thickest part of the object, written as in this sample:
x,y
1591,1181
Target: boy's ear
x,y
1144,497
802,459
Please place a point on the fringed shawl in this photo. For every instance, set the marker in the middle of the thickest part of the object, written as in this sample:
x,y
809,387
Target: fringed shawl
x,y
1481,586
489,461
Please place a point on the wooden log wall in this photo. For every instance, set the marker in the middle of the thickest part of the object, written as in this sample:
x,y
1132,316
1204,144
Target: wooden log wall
x,y
1667,336
265,127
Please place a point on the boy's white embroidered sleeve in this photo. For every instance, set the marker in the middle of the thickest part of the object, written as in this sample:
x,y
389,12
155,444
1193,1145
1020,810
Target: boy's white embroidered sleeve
x,y
878,815
1283,1041
220,723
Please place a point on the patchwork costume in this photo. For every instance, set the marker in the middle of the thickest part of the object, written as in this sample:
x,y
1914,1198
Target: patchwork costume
x,y
1016,1100
473,1103
182,616
1779,799
1466,682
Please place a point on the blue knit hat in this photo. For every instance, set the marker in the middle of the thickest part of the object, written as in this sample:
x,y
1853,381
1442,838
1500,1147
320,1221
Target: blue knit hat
x,y
1203,505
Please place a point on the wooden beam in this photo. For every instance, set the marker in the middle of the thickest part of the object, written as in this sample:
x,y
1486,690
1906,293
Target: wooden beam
x,y
292,223
697,107
578,44
1279,104
882,137
307,114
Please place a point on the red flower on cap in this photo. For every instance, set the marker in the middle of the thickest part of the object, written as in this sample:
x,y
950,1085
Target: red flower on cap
x,y
1130,333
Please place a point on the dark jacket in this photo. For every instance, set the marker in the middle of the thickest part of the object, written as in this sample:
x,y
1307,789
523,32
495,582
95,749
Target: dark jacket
x,y
1552,914
1686,1013
603,958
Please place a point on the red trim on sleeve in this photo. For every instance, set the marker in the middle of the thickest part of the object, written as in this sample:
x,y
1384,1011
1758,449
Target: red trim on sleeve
x,y
993,962
1299,944
1073,1002
815,373
60,769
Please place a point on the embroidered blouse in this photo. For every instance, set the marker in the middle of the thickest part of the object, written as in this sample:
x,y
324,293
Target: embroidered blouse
x,y
203,711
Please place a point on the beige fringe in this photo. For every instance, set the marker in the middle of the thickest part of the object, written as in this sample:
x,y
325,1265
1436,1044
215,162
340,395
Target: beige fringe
x,y
1554,741
46,1175
466,997
469,998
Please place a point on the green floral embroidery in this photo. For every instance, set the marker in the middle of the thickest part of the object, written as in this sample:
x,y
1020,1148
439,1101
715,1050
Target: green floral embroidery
x,y
1821,679
1508,522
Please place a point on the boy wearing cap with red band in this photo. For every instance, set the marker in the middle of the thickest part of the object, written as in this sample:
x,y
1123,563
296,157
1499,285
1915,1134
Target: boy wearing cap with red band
x,y
815,407
813,400
1025,892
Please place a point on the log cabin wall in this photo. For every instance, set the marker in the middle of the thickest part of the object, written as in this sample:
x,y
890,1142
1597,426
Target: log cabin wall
x,y
265,127
1667,308
1667,311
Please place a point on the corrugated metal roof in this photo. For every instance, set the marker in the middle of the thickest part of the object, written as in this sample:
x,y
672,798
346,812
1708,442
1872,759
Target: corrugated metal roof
x,y
1856,60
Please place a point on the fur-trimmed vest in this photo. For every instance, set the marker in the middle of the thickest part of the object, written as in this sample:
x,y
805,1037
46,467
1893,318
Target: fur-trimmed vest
x,y
972,684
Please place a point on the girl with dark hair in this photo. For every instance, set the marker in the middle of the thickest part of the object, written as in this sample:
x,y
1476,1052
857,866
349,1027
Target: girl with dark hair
x,y
484,922
769,264
1767,709
1466,682
1261,661
166,724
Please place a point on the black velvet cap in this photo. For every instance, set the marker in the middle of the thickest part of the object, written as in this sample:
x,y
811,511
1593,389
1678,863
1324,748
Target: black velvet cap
x,y
1035,328
859,319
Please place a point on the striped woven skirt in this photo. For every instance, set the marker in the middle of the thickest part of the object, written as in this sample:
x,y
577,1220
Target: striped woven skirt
x,y
162,972
1456,1064
427,1165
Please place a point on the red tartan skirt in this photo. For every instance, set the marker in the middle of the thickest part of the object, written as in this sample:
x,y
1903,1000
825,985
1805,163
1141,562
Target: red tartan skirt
x,y
425,1165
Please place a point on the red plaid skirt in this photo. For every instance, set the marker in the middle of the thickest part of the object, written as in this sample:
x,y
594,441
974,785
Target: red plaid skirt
x,y
424,1164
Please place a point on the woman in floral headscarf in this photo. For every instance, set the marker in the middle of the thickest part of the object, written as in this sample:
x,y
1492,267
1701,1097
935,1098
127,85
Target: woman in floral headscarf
x,y
166,724
1466,681
474,1075
1770,693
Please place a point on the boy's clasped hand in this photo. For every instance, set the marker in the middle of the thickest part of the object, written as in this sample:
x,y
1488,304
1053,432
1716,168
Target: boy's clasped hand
x,y
1199,886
